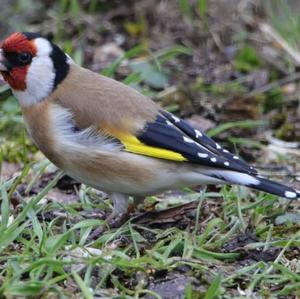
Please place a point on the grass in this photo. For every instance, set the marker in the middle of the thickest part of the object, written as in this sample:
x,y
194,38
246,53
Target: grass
x,y
54,255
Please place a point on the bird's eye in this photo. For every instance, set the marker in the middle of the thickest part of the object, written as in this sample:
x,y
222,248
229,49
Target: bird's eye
x,y
24,57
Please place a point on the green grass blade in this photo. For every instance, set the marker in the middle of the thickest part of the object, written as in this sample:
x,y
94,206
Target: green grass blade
x,y
246,124
85,290
214,288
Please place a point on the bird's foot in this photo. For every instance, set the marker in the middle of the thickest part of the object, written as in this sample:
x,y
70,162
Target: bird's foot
x,y
112,221
118,217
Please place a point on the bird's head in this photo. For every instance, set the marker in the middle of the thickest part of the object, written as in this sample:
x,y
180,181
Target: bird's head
x,y
32,65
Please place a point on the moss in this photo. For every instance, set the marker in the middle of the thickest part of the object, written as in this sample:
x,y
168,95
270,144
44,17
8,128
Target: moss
x,y
274,100
288,132
247,59
277,120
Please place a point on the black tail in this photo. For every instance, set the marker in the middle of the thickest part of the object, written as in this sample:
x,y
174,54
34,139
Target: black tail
x,y
276,188
255,182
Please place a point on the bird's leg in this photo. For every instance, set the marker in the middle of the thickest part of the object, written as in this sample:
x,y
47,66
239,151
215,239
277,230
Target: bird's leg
x,y
121,209
118,216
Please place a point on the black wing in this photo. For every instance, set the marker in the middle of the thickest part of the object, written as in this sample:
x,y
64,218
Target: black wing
x,y
172,133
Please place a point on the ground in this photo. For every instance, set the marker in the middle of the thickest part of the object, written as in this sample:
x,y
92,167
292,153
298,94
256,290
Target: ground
x,y
230,68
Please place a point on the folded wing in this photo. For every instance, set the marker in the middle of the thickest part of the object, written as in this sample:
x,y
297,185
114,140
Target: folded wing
x,y
171,138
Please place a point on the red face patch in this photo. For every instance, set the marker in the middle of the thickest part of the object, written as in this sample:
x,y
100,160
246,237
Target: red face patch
x,y
17,43
16,78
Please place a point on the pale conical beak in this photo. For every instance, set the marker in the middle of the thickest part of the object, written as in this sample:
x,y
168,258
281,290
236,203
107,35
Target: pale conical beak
x,y
3,68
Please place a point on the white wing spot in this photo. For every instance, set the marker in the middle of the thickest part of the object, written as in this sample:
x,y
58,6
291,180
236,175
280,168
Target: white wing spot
x,y
218,146
188,140
290,194
169,123
213,159
176,119
226,163
225,151
235,157
201,155
198,133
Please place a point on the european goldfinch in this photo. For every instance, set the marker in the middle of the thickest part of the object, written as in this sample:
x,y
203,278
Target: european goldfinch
x,y
109,136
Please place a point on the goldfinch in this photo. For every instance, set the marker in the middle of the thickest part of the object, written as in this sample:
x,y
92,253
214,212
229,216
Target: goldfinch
x,y
108,135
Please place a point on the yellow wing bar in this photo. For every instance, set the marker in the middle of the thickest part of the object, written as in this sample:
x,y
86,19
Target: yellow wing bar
x,y
133,145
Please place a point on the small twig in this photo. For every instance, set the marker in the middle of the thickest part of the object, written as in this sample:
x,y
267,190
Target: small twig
x,y
270,32
271,56
281,143
283,151
288,79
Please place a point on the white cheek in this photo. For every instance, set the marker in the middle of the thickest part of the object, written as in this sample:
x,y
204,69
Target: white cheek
x,y
43,47
39,82
40,76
